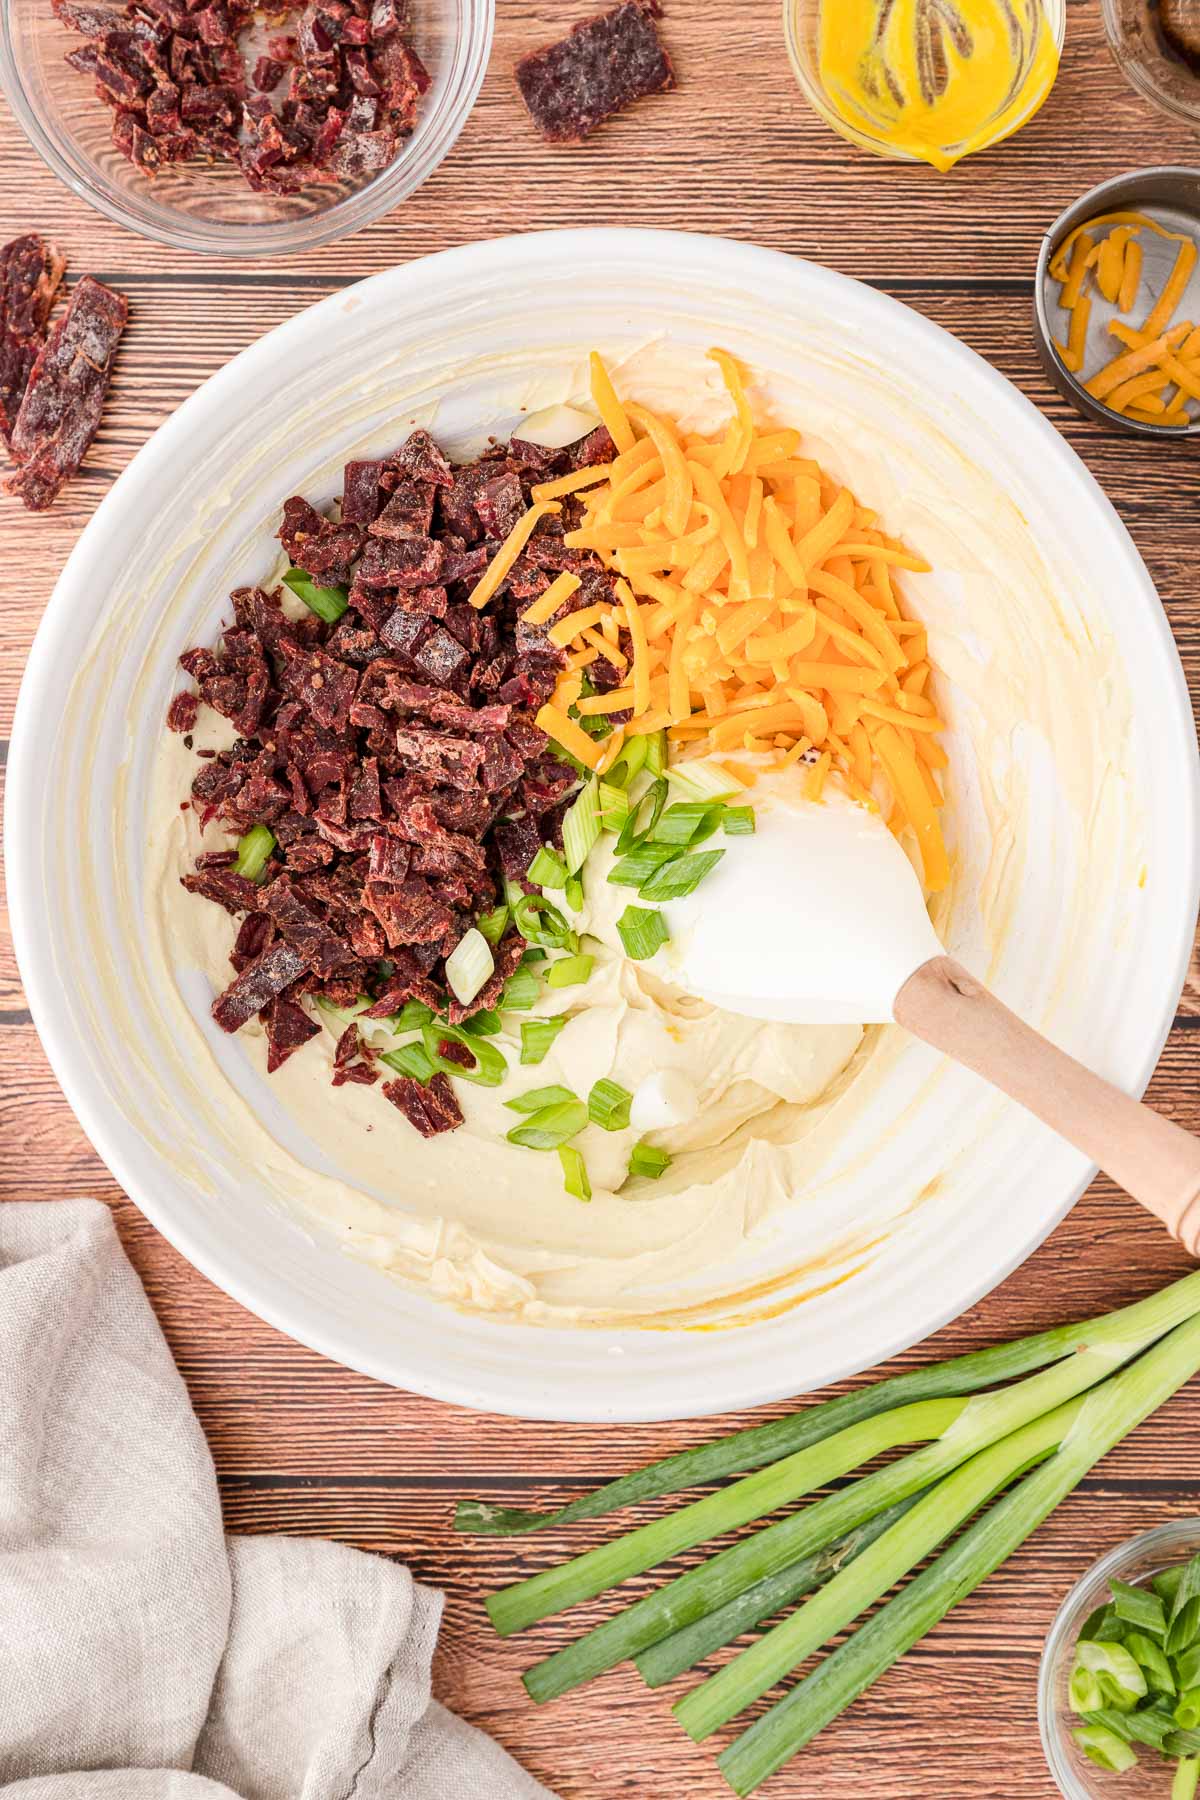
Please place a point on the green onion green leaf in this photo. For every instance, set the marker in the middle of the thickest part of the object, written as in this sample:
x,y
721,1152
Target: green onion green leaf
x,y
675,879
541,923
411,1060
640,863
570,971
656,752
614,805
538,1098
628,763
1105,1748
492,924
575,1175
647,1161
573,893
688,821
552,1126
642,932
537,1035
738,821
1139,1606
548,870
253,851
329,603
521,990
488,1068
608,1105
412,1015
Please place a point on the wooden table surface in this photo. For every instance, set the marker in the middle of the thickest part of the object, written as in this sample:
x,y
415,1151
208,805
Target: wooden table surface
x,y
304,1446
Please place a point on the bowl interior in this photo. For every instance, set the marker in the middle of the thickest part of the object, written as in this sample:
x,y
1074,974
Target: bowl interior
x,y
1073,785
210,207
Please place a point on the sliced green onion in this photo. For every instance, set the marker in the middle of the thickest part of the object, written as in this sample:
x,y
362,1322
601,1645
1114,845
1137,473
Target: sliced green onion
x,y
642,932
469,966
541,923
489,1068
1115,1669
1187,1779
647,1161
1187,1709
537,1035
329,603
1148,1725
1084,1691
1182,1743
1105,1748
1184,1628
570,971
608,1105
703,781
628,763
492,924
1166,1584
547,869
614,805
640,863
552,1126
656,752
537,1098
1103,1623
738,821
573,893
1139,1606
581,827
675,879
1187,1668
635,827
1150,1659
253,851
521,990
575,1175
686,820
484,1023
411,1060
412,1015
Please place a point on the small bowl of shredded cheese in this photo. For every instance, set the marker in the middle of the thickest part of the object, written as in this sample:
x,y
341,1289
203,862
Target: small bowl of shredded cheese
x,y
1117,302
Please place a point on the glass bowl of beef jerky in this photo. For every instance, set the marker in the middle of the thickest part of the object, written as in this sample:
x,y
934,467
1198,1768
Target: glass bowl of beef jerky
x,y
213,127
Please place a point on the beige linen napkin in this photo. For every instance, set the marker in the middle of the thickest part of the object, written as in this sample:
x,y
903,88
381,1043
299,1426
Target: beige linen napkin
x,y
143,1654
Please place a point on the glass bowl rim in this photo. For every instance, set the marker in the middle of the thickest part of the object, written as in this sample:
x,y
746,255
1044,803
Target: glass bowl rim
x,y
362,207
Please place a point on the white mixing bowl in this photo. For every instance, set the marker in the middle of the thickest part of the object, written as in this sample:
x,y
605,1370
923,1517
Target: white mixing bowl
x,y
1073,785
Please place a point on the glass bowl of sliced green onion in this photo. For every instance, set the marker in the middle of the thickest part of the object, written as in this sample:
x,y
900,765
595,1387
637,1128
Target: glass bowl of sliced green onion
x,y
1119,1687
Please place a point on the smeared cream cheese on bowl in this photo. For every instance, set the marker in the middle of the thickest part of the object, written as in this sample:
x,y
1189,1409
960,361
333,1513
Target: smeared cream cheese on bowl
x,y
840,1228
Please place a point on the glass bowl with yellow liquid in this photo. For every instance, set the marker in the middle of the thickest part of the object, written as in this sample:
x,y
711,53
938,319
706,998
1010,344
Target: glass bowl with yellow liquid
x,y
925,80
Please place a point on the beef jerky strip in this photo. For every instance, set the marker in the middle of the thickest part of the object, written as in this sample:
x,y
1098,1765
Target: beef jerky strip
x,y
599,68
65,396
30,273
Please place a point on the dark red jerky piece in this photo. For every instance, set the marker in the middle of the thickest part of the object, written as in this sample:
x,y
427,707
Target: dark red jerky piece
x,y
500,503
30,273
545,784
536,462
518,841
324,550
254,934
408,513
456,761
409,563
452,1051
64,399
325,686
257,986
412,913
360,492
440,656
224,886
596,447
267,74
408,981
288,1029
465,565
389,859
182,713
352,1059
600,67
304,928
431,1109
365,799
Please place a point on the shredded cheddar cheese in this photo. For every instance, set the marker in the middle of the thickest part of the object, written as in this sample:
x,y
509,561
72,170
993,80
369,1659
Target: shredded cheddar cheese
x,y
510,549
755,611
1158,354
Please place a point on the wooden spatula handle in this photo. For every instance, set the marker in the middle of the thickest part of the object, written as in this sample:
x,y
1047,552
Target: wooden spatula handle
x,y
1155,1161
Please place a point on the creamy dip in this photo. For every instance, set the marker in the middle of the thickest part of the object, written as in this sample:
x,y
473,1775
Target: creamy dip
x,y
489,1223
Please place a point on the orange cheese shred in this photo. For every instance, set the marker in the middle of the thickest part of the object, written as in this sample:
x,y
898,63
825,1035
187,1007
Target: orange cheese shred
x,y
510,549
547,604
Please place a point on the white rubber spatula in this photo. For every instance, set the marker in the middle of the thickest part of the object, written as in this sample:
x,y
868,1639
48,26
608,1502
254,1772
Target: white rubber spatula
x,y
819,919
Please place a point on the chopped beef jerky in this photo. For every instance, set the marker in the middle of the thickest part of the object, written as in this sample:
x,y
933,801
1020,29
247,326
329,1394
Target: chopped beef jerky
x,y
600,67
257,986
352,1059
183,712
353,87
30,273
393,753
64,398
430,1109
288,1028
